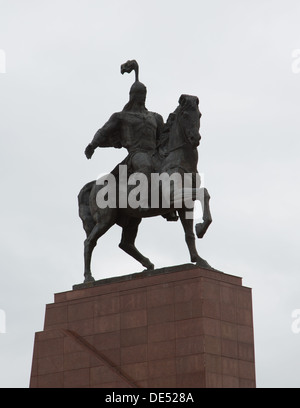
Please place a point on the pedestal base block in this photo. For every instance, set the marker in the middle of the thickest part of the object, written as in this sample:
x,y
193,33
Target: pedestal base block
x,y
177,327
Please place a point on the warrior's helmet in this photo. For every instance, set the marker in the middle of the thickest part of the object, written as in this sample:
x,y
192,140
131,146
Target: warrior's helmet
x,y
138,91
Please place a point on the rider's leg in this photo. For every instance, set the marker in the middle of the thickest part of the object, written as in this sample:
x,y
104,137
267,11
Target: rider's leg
x,y
141,162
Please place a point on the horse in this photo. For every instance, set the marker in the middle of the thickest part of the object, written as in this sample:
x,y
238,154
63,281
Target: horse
x,y
176,153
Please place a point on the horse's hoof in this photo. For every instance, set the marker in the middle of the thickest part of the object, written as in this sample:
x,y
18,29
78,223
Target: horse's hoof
x,y
150,267
203,264
201,228
89,279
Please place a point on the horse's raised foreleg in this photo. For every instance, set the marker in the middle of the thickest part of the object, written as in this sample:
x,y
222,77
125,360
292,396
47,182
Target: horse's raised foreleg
x,y
189,195
188,223
202,227
89,244
127,243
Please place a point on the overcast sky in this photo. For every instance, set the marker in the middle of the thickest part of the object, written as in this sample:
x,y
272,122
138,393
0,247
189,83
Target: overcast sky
x,y
63,82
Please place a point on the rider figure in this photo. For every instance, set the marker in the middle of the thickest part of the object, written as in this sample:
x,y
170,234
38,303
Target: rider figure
x,y
134,128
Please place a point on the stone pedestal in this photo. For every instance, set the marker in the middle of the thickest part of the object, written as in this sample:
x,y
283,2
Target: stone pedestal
x,y
177,327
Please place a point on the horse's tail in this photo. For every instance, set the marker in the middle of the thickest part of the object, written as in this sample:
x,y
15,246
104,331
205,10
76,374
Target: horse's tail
x,y
84,207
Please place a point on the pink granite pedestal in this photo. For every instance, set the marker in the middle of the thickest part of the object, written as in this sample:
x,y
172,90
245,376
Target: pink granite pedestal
x,y
177,327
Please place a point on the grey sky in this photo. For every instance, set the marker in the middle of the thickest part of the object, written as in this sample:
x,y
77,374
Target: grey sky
x,y
63,82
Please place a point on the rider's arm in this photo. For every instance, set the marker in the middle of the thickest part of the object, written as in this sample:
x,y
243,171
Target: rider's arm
x,y
107,136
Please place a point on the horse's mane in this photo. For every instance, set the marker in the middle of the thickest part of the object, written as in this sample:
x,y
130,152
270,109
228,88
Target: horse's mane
x,y
171,120
165,134
186,102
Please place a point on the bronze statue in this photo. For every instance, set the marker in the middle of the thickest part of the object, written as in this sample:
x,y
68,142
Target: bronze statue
x,y
154,149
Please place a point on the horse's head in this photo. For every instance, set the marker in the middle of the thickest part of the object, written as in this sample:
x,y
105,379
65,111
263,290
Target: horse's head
x,y
188,117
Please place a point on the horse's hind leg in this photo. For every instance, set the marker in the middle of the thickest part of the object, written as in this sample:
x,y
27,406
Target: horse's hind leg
x,y
188,224
89,244
127,243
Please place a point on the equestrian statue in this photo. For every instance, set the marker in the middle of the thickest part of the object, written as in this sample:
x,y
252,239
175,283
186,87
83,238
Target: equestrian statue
x,y
158,176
